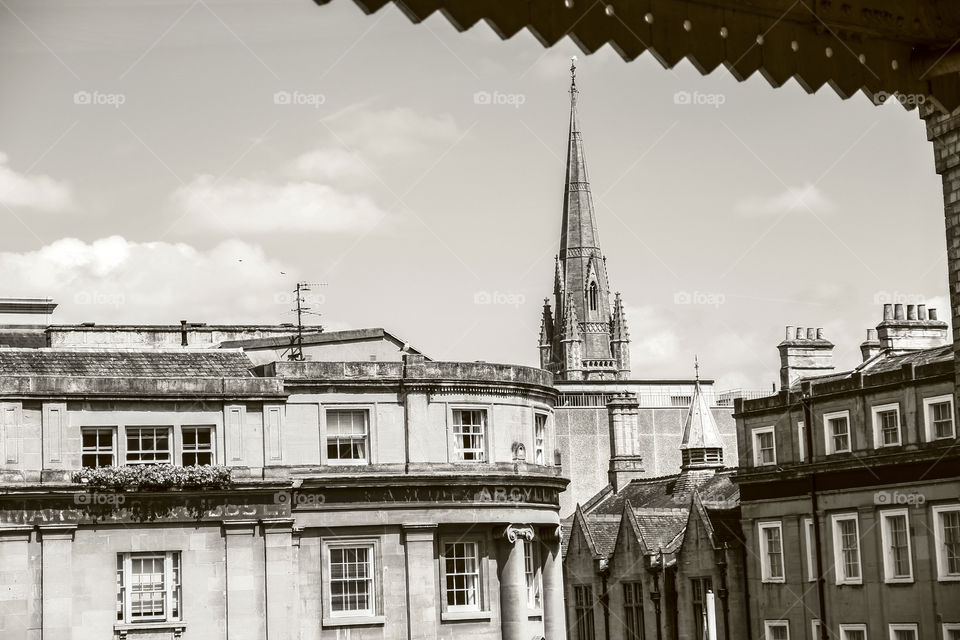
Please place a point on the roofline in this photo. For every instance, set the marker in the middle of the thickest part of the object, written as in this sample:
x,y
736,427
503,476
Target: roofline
x,y
319,337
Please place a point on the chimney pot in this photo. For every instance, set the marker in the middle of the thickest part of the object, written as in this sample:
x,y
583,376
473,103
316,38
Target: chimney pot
x,y
888,312
898,312
932,314
183,333
921,312
871,335
800,333
811,333
790,333
819,333
911,312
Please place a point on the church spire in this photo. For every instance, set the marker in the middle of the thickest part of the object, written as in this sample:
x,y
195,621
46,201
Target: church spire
x,y
701,446
582,294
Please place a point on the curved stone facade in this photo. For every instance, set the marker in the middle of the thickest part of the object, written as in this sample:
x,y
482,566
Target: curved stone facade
x,y
410,499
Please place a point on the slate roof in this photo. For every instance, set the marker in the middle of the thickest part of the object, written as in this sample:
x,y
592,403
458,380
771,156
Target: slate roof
x,y
660,527
885,362
718,492
124,364
603,530
700,429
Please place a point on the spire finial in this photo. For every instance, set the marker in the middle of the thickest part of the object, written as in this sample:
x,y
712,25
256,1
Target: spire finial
x,y
573,74
696,367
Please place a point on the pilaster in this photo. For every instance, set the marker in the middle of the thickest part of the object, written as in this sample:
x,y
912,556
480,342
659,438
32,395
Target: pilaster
x,y
422,581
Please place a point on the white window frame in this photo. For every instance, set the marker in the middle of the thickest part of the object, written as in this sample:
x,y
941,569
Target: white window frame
x,y
886,539
839,568
929,435
844,628
480,595
367,439
457,451
533,575
766,574
540,437
815,629
757,457
372,546
196,449
172,586
947,627
769,625
809,540
802,441
828,432
98,451
893,628
171,454
936,511
875,412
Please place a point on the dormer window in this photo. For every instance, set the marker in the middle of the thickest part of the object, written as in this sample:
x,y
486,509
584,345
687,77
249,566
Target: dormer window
x,y
592,296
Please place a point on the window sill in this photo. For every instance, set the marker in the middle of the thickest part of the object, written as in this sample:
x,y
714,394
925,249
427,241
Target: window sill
x,y
948,578
452,616
534,614
122,629
773,580
354,621
899,580
850,583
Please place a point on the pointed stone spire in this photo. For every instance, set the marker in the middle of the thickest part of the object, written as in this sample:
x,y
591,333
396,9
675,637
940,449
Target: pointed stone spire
x,y
701,446
571,326
546,336
620,338
581,272
571,343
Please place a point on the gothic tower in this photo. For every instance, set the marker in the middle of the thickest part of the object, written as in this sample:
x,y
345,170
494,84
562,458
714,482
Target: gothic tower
x,y
586,341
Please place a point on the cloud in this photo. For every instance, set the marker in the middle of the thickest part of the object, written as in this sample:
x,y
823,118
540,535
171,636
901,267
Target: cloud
x,y
118,280
654,342
329,164
394,132
37,192
254,207
805,198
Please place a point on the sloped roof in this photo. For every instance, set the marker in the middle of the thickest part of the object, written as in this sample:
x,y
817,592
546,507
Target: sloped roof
x,y
314,337
884,362
700,429
660,527
603,529
718,492
124,364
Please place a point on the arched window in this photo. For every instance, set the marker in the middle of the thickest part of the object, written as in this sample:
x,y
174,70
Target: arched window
x,y
593,296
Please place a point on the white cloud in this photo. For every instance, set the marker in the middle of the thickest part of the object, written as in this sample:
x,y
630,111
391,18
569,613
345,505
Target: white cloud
x,y
654,343
37,192
253,207
329,164
118,280
803,199
393,132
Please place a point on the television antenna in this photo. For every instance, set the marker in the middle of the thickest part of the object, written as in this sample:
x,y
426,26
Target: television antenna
x,y
296,353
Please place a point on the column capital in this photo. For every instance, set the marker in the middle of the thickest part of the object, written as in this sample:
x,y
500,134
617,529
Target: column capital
x,y
419,531
57,531
551,533
277,525
239,527
514,531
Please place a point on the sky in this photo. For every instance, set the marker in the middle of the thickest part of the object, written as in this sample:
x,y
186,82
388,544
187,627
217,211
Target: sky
x,y
175,159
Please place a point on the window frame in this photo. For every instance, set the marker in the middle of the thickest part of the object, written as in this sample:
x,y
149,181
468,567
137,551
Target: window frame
x,y
533,575
540,443
368,414
171,452
889,576
483,601
835,520
769,625
700,585
844,628
585,621
196,450
892,629
947,627
809,540
829,435
928,425
815,629
98,452
455,451
802,441
875,412
757,450
936,511
172,587
358,616
765,574
633,618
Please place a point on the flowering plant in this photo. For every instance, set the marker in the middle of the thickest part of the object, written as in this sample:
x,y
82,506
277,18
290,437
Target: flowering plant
x,y
153,477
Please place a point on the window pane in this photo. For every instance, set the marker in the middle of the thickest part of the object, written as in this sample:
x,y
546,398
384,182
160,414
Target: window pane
x,y
468,434
148,445
351,580
899,547
951,540
849,547
197,446
889,428
347,435
462,575
97,447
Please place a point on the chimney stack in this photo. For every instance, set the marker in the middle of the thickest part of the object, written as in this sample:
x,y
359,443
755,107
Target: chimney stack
x,y
915,330
183,333
626,462
807,354
871,346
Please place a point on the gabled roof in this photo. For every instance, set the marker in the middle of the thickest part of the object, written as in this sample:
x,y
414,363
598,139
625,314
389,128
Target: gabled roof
x,y
314,338
884,362
600,532
64,363
700,429
717,492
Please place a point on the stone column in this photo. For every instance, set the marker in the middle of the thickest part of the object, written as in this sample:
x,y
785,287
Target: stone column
x,y
554,613
280,573
513,582
57,581
422,578
245,582
943,130
17,596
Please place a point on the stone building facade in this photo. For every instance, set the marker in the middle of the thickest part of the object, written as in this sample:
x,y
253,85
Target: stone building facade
x,y
402,499
850,489
659,558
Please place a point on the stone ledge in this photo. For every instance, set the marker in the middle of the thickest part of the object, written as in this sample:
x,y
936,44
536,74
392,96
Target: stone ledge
x,y
465,616
354,621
